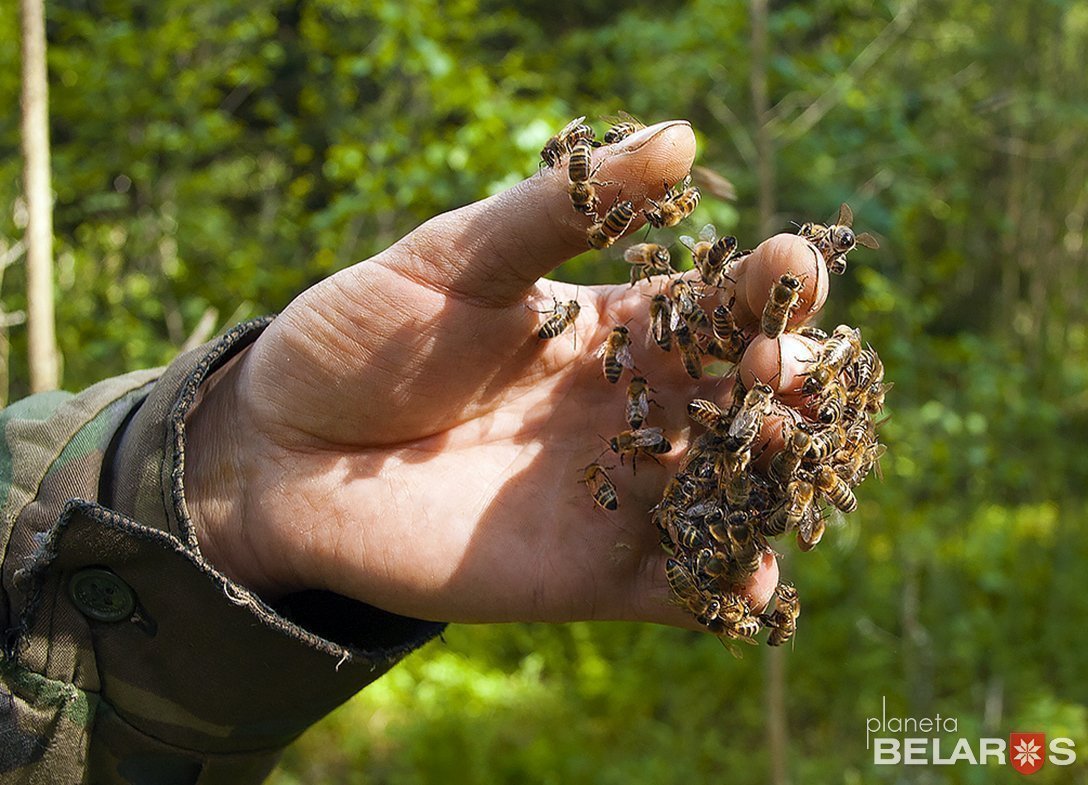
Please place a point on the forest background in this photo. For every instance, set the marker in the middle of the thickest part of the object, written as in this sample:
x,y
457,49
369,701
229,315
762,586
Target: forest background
x,y
211,160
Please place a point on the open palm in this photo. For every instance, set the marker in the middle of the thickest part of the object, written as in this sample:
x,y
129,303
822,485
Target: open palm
x,y
400,435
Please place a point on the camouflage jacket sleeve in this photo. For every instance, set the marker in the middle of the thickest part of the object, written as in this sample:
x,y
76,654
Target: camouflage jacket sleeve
x,y
127,658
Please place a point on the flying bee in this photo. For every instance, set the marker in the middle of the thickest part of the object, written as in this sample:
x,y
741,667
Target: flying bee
x,y
838,351
648,259
640,441
689,351
835,489
678,203
784,298
600,486
825,441
622,126
749,420
708,415
604,232
786,461
616,351
561,316
710,254
660,316
838,239
581,187
638,402
558,146
832,403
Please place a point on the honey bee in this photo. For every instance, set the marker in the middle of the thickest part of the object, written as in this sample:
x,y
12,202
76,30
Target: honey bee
x,y
640,441
835,489
838,351
660,316
815,333
600,486
864,370
685,305
708,415
749,420
710,254
825,441
622,127
689,351
558,146
646,260
832,403
561,316
799,497
677,204
811,530
747,551
783,621
728,343
784,298
785,462
601,234
838,239
746,628
732,464
581,188
616,351
739,488
638,402
874,402
683,583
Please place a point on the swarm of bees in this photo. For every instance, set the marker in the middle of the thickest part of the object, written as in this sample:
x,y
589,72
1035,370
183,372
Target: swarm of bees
x,y
729,498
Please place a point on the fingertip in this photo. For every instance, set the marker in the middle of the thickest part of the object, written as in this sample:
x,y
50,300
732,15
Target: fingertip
x,y
781,362
774,257
762,585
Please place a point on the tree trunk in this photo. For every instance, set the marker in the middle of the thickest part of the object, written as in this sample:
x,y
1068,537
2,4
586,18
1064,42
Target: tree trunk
x,y
775,686
41,331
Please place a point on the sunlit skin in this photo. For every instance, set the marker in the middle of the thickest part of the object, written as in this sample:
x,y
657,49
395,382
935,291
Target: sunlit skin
x,y
401,436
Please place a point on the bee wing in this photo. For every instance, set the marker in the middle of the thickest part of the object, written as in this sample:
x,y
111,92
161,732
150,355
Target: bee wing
x,y
715,184
577,121
623,356
708,233
688,242
622,117
633,255
646,437
846,215
867,240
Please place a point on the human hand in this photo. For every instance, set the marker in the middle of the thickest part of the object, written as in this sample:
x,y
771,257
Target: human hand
x,y
401,436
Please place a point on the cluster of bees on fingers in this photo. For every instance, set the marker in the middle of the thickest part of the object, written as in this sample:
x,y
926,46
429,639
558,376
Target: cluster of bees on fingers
x,y
729,498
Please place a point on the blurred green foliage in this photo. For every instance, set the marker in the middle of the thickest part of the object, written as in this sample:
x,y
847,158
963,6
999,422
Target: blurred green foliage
x,y
225,155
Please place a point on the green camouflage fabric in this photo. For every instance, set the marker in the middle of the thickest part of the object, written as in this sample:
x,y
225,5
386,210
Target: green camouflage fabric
x,y
199,681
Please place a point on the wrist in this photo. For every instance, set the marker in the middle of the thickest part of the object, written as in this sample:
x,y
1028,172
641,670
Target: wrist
x,y
220,472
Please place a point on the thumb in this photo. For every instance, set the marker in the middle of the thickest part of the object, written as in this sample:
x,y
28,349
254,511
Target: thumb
x,y
495,250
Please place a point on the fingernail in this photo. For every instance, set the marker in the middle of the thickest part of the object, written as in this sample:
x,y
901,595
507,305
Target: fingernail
x,y
640,138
